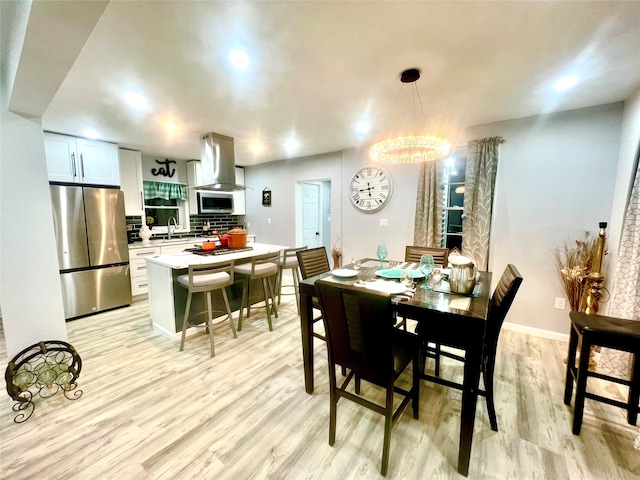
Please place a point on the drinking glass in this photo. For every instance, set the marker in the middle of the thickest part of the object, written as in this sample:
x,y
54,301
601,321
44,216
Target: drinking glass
x,y
382,253
427,267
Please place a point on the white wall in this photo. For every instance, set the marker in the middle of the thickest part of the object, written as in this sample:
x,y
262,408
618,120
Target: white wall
x,y
281,178
556,179
30,291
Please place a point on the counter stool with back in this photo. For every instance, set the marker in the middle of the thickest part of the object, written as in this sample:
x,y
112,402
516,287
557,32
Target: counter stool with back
x,y
262,267
289,261
205,279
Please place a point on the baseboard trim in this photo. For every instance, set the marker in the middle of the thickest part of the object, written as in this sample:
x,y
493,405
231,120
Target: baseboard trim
x,y
538,332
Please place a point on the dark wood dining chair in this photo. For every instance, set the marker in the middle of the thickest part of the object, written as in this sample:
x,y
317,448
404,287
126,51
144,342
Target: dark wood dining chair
x,y
616,333
312,262
499,305
361,337
412,253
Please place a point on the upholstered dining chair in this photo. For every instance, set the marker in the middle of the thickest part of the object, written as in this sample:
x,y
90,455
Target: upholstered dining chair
x,y
499,305
412,253
361,337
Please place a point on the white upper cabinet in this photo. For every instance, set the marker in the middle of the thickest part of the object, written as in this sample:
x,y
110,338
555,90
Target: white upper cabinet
x,y
239,207
131,181
193,179
60,151
79,160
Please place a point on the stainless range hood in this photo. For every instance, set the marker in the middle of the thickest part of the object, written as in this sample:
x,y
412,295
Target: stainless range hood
x,y
217,164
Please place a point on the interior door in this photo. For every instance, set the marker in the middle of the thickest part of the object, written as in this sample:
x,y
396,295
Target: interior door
x,y
311,214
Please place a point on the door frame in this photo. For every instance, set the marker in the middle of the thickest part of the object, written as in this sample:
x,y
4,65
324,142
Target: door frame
x,y
299,220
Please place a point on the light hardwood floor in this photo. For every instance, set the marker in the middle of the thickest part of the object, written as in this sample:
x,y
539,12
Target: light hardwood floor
x,y
151,412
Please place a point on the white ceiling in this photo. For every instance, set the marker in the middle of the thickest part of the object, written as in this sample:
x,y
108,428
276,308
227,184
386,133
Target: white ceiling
x,y
317,68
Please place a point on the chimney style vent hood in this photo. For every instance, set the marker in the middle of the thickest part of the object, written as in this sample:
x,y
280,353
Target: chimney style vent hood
x,y
217,164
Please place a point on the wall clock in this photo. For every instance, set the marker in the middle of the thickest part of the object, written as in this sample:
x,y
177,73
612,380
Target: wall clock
x,y
370,188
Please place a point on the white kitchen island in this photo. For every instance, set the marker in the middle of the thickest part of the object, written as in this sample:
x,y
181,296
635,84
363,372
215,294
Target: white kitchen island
x,y
167,298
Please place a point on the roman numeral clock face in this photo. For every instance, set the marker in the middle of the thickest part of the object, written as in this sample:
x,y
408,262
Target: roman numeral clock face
x,y
370,188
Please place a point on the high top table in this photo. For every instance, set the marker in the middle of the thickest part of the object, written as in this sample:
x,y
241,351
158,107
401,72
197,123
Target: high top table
x,y
454,320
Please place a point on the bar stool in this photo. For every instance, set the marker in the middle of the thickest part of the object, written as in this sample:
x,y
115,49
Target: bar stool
x,y
262,267
207,278
289,261
616,333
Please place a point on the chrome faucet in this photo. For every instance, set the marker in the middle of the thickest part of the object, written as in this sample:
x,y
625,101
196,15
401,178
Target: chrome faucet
x,y
175,225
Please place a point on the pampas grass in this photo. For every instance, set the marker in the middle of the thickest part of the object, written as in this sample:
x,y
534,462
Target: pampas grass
x,y
573,261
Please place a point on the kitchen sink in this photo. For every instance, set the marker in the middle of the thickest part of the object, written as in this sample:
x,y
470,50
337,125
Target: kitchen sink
x,y
165,241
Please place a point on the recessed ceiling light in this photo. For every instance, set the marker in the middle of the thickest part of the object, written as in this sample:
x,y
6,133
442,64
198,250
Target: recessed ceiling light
x,y
566,83
291,145
136,100
170,126
257,147
239,59
90,133
363,127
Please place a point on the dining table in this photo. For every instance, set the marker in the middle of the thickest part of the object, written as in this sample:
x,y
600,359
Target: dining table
x,y
451,319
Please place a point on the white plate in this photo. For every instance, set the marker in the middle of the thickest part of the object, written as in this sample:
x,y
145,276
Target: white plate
x,y
392,288
396,273
345,273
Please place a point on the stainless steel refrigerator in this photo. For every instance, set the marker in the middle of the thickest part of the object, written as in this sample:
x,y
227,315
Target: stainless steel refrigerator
x,y
91,237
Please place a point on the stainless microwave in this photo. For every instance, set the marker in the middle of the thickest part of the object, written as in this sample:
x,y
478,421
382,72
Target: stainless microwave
x,y
215,202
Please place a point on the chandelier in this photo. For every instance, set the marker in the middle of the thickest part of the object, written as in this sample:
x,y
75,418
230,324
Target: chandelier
x,y
410,148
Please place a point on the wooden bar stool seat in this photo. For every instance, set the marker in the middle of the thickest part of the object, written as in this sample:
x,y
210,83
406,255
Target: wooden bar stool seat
x,y
205,279
610,332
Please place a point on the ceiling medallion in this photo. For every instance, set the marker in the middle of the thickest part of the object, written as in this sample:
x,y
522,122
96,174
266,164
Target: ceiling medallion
x,y
410,148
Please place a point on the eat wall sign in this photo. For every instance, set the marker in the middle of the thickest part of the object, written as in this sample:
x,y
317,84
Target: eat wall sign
x,y
166,169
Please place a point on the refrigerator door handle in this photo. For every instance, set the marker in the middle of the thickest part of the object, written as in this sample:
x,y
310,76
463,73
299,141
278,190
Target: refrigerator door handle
x,y
142,202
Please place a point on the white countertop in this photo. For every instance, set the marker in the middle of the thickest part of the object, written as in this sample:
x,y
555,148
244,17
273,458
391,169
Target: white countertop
x,y
181,260
160,242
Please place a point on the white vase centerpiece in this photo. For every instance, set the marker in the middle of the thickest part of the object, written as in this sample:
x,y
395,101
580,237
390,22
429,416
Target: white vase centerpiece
x,y
145,235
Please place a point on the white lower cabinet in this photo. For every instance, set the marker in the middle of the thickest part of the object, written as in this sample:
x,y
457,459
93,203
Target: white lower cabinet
x,y
138,266
138,262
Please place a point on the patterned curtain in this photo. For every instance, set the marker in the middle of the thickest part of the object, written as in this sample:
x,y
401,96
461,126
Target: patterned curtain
x,y
625,293
166,190
480,179
428,225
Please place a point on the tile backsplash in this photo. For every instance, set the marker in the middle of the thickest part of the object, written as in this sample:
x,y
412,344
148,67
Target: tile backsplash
x,y
219,222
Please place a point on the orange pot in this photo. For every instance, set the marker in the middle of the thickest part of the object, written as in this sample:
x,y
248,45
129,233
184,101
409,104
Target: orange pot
x,y
209,245
237,238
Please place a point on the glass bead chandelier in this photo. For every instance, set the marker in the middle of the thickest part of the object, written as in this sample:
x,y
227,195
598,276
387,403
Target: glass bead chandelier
x,y
410,148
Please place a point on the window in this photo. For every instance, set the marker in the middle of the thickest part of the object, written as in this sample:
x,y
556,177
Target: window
x,y
159,210
164,201
452,212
